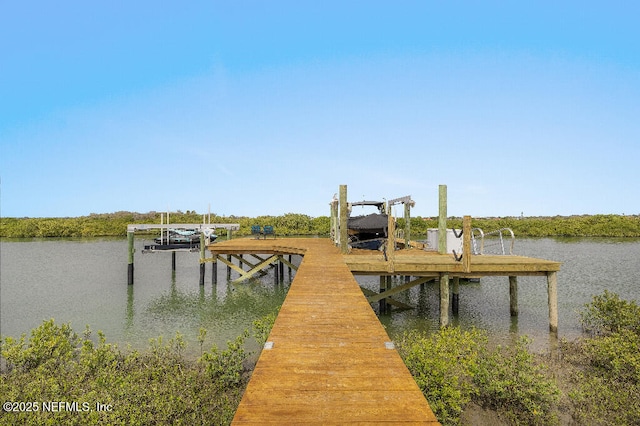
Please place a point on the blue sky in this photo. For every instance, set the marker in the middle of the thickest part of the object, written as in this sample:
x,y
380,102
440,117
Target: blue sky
x,y
264,108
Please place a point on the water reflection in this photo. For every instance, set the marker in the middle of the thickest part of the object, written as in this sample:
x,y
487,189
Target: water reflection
x,y
131,311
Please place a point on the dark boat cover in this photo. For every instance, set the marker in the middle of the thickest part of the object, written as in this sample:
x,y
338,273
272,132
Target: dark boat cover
x,y
368,222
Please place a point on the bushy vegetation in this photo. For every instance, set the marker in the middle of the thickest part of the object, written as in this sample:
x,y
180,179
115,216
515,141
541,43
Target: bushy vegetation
x,y
454,367
443,365
599,375
606,364
512,382
115,224
157,386
556,226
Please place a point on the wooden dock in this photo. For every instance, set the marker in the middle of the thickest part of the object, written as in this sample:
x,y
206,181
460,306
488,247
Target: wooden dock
x,y
328,360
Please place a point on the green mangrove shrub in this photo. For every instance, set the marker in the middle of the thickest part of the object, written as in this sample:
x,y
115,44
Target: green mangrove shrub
x,y
443,365
73,380
510,381
606,364
115,224
455,367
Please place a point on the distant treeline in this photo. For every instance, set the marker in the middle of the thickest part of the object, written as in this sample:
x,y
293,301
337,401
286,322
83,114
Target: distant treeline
x,y
115,224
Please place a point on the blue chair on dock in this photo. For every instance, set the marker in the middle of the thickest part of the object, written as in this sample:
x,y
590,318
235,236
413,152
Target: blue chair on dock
x,y
268,230
255,230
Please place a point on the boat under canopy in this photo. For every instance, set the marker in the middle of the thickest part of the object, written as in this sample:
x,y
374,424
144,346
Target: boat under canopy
x,y
368,231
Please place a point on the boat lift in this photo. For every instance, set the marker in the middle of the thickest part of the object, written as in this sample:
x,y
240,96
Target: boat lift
x,y
206,231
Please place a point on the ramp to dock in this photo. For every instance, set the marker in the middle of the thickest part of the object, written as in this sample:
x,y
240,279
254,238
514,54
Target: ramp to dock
x,y
328,359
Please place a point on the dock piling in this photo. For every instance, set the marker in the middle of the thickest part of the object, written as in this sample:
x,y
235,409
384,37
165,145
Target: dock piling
x,y
444,300
344,214
513,296
130,265
552,289
407,224
202,259
442,249
455,295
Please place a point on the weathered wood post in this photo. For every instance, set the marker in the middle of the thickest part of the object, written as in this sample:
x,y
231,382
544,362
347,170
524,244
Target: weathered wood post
x,y
202,259
344,237
442,249
130,311
382,304
391,234
229,268
131,250
281,267
442,219
214,270
552,288
455,295
513,296
335,224
466,244
466,263
407,224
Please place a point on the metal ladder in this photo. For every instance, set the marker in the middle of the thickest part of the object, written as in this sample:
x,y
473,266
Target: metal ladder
x,y
493,244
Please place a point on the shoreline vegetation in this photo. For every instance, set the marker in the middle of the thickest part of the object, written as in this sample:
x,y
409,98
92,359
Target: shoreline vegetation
x,y
59,377
115,225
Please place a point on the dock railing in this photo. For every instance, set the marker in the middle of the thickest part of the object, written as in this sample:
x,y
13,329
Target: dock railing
x,y
492,240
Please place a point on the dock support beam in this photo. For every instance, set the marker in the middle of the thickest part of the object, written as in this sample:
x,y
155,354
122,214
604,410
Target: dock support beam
x,y
202,257
391,231
130,265
455,295
281,267
335,221
385,284
513,296
444,300
442,249
344,237
214,270
466,243
442,219
407,225
552,287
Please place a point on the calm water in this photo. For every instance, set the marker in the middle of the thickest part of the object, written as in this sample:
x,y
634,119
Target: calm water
x,y
84,282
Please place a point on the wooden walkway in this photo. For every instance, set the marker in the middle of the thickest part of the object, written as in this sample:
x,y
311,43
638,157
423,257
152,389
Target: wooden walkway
x,y
328,360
